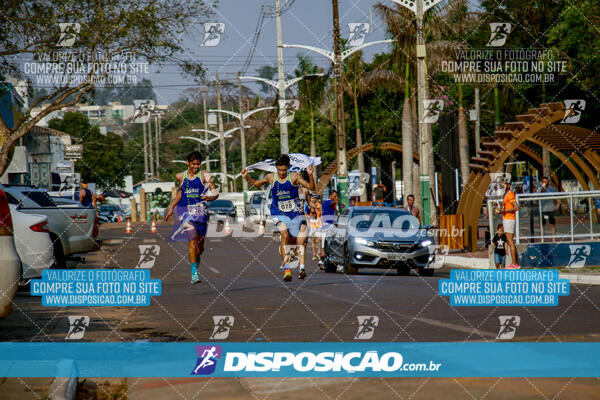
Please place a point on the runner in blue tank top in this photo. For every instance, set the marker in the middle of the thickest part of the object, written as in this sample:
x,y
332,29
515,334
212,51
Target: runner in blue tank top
x,y
286,208
195,190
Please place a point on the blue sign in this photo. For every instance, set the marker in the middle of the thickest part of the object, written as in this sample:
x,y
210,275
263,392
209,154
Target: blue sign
x,y
300,359
567,255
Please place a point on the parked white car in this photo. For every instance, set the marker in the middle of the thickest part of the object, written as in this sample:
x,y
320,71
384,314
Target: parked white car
x,y
10,264
73,228
33,243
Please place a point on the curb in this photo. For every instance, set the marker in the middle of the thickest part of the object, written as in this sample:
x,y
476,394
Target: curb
x,y
64,388
483,263
581,279
466,262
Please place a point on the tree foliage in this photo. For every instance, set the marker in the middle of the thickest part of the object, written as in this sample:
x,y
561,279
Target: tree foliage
x,y
110,31
103,160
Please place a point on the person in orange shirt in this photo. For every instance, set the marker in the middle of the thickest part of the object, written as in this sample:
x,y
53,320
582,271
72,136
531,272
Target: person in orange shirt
x,y
509,221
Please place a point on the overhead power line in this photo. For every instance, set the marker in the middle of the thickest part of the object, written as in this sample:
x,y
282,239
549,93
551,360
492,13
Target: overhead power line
x,y
266,11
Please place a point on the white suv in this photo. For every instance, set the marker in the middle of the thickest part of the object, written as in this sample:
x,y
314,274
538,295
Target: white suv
x,y
10,264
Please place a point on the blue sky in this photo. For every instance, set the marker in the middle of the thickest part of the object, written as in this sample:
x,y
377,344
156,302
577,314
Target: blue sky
x,y
306,22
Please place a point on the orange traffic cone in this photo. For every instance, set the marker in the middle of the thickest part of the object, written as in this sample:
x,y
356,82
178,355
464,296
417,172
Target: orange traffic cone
x,y
128,227
261,228
227,228
153,227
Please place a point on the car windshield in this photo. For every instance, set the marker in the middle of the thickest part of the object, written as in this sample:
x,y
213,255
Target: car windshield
x,y
366,219
41,198
220,204
109,207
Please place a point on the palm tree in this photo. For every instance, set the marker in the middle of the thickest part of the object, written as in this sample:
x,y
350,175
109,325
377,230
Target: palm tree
x,y
445,29
311,93
357,82
456,20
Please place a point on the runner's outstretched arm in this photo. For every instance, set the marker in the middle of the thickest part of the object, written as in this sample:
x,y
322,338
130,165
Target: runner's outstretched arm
x,y
309,185
207,178
257,183
179,178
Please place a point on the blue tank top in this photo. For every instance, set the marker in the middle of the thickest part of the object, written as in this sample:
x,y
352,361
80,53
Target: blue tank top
x,y
190,205
328,208
328,212
87,198
286,199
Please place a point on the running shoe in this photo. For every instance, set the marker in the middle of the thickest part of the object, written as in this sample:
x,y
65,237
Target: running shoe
x,y
287,275
302,274
315,257
195,279
513,266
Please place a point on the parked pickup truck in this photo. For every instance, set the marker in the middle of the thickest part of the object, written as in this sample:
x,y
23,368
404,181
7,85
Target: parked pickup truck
x,y
73,228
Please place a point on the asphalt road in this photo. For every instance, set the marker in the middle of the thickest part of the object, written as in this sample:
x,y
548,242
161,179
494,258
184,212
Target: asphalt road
x,y
242,278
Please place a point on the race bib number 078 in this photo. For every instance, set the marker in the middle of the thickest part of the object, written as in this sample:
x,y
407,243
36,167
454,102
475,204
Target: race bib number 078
x,y
287,205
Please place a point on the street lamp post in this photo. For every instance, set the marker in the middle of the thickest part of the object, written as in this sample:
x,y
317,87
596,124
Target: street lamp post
x,y
275,84
419,7
283,131
205,125
337,57
207,142
241,117
222,153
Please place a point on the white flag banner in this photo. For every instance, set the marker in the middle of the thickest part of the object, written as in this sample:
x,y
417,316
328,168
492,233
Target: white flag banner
x,y
298,162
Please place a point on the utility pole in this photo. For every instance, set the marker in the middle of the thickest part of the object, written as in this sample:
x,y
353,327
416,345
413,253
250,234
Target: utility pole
x,y
477,134
222,153
157,138
150,151
242,136
145,150
422,95
342,167
283,129
205,129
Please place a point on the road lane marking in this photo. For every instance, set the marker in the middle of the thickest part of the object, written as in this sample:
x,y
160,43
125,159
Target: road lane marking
x,y
428,321
216,271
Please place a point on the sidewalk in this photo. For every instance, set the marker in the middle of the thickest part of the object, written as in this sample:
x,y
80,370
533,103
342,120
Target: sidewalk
x,y
479,260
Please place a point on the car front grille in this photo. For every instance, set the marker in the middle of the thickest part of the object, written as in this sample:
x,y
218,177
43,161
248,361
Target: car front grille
x,y
395,246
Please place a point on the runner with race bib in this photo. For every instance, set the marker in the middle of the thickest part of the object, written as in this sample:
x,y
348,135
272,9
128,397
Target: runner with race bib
x,y
196,189
286,210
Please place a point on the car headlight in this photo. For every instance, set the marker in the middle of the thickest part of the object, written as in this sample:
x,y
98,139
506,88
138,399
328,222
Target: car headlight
x,y
364,242
210,212
253,211
426,243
